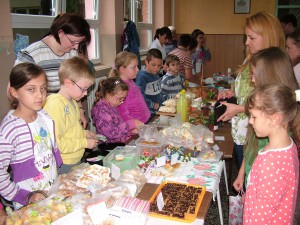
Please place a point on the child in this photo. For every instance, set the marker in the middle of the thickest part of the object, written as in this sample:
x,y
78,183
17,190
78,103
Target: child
x,y
75,77
111,93
171,82
273,181
293,49
27,141
149,81
134,106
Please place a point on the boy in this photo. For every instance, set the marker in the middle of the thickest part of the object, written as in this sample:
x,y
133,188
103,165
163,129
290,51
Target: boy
x,y
171,82
75,77
149,81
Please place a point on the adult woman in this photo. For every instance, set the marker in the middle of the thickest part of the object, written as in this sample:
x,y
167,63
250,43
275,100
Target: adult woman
x,y
69,36
262,31
162,35
293,49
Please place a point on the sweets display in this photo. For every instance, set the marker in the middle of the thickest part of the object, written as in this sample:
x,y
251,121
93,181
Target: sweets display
x,y
181,201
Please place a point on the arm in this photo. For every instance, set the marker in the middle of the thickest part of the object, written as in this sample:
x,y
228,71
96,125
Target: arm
x,y
231,111
2,215
68,140
124,112
83,119
239,181
164,89
142,83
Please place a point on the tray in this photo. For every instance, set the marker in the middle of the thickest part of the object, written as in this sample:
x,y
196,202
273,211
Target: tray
x,y
165,113
188,217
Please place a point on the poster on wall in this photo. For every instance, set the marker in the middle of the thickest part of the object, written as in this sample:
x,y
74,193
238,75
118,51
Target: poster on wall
x,y
242,6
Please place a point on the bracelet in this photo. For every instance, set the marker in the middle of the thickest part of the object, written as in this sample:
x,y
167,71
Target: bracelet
x,y
32,193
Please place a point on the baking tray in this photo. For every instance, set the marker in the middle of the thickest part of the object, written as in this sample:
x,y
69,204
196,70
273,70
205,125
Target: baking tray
x,y
165,113
188,217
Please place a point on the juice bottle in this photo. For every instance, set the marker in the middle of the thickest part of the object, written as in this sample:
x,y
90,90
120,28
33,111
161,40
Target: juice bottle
x,y
180,104
184,112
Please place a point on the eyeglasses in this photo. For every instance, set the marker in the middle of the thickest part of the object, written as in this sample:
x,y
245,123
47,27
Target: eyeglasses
x,y
83,90
73,42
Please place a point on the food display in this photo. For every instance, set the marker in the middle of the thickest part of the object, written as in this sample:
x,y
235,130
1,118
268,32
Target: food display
x,y
149,148
169,106
181,201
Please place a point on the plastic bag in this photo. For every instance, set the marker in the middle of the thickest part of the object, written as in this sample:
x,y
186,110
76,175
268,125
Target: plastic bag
x,y
209,156
236,209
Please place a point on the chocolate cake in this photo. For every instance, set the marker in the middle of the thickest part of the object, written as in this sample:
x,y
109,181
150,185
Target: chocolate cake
x,y
180,200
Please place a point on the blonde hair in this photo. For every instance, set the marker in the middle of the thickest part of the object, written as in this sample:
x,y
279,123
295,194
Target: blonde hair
x,y
122,59
75,69
268,26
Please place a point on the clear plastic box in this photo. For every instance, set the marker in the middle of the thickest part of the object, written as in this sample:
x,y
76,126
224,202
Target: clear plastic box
x,y
149,148
131,158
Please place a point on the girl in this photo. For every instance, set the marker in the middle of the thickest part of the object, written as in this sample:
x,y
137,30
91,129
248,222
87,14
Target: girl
x,y
162,35
263,30
134,106
111,93
293,49
273,180
27,141
268,66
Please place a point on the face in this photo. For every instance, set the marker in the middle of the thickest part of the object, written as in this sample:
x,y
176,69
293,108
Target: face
x,y
253,73
32,95
163,39
129,72
117,98
260,122
79,89
254,41
173,68
70,41
292,49
153,66
200,39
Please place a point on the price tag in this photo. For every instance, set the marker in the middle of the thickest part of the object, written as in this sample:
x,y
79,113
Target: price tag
x,y
98,212
216,148
160,201
219,138
115,171
73,218
161,161
174,158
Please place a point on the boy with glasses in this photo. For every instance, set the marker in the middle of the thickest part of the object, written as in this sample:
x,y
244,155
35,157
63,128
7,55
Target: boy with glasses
x,y
75,78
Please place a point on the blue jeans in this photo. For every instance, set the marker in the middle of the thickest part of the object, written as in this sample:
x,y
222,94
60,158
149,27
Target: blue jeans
x,y
65,168
239,154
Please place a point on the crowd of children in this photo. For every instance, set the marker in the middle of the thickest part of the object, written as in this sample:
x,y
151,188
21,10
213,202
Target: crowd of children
x,y
42,136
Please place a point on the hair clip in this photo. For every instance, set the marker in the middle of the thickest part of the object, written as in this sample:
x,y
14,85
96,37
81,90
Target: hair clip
x,y
117,82
297,92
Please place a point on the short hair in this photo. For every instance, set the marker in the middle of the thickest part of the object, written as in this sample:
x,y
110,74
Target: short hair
x,y
75,68
184,40
171,58
289,18
153,53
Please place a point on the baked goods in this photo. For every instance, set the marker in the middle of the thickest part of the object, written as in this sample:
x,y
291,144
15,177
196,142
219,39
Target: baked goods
x,y
209,155
180,201
119,157
94,173
167,109
170,102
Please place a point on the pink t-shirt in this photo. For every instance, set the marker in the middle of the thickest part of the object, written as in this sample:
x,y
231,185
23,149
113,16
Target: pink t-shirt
x,y
272,187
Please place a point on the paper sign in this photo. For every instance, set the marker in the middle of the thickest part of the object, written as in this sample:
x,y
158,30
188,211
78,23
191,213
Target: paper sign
x,y
73,218
161,161
115,171
160,201
216,148
174,158
219,138
98,212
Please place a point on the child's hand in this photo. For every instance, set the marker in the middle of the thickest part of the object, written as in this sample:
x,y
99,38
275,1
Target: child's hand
x,y
90,134
92,143
138,123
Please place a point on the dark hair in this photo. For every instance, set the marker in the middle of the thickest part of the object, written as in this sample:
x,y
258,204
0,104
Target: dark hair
x,y
74,24
184,40
162,31
289,18
295,36
193,44
153,53
21,74
196,33
110,85
171,58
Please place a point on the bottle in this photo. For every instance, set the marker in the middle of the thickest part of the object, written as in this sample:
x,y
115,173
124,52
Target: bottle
x,y
180,104
184,110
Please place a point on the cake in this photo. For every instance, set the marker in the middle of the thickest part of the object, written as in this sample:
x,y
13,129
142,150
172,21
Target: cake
x,y
180,201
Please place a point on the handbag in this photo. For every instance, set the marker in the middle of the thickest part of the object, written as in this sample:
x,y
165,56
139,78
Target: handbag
x,y
236,209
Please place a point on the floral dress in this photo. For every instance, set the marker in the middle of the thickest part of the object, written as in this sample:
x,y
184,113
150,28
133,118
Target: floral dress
x,y
243,88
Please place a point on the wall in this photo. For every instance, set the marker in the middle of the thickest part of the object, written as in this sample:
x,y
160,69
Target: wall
x,y
6,54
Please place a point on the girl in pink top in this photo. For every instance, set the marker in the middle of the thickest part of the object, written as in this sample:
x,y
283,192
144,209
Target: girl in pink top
x,y
134,107
273,180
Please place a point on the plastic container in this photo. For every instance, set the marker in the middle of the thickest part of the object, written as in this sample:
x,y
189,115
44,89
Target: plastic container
x,y
149,148
131,158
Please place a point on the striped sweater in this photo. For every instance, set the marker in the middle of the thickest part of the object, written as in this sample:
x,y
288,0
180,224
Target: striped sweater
x,y
17,151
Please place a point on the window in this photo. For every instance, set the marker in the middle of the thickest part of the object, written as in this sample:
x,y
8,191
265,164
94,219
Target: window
x,y
140,12
288,7
33,18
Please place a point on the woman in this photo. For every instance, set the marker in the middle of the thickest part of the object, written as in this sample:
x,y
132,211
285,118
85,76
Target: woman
x,y
293,49
162,35
69,36
263,30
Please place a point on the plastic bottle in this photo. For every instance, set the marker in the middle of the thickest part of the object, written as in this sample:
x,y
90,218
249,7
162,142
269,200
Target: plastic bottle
x,y
182,106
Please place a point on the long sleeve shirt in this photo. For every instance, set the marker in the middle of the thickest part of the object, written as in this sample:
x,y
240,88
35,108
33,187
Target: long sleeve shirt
x,y
171,85
109,122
